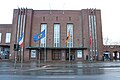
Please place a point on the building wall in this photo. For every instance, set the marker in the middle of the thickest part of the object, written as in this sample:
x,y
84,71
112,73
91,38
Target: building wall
x,y
5,47
81,38
80,21
114,50
5,28
99,32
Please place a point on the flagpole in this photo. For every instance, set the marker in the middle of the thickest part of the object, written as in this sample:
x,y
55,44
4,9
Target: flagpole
x,y
69,53
39,37
23,28
68,37
39,52
21,32
18,32
44,51
19,24
39,55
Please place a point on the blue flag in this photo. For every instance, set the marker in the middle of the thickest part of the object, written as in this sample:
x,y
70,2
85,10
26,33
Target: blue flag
x,y
39,36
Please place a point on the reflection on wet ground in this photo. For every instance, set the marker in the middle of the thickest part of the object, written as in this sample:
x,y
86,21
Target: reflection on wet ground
x,y
61,70
58,69
80,71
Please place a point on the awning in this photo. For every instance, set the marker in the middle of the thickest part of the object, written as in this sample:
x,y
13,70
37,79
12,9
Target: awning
x,y
106,52
5,45
55,48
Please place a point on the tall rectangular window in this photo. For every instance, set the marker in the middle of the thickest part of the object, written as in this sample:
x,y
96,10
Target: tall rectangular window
x,y
70,30
96,41
0,37
56,35
93,35
8,37
43,40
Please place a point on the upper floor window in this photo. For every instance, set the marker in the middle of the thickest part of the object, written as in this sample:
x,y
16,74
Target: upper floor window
x,y
8,37
56,35
70,30
43,40
0,37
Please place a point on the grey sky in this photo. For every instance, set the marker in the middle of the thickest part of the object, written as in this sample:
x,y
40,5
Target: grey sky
x,y
110,11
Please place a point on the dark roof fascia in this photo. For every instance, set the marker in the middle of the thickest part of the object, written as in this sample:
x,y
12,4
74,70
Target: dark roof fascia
x,y
54,48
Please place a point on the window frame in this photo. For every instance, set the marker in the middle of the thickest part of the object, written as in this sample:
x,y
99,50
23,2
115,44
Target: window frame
x,y
8,38
56,35
70,29
43,40
0,37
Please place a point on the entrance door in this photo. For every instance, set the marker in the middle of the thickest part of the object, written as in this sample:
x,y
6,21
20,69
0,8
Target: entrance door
x,y
56,55
116,55
72,55
67,54
106,56
5,53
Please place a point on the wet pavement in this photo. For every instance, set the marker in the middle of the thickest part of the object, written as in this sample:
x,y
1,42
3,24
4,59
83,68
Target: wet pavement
x,y
64,71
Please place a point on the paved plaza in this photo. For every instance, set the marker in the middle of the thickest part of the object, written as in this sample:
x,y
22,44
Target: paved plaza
x,y
60,71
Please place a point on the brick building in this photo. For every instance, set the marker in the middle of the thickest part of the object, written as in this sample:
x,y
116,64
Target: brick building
x,y
5,33
111,52
84,26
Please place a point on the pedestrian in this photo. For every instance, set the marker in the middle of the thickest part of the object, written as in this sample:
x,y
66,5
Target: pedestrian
x,y
0,57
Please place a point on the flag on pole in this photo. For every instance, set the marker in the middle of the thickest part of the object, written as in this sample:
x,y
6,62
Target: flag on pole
x,y
39,36
20,40
90,40
68,37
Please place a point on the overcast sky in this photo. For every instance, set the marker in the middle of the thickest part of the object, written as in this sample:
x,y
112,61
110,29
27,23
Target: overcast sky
x,y
110,11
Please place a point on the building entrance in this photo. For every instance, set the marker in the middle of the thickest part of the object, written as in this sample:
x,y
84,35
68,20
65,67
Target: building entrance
x,y
4,53
72,55
106,56
116,55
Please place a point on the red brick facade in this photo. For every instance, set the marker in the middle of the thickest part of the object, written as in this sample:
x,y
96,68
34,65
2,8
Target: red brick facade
x,y
112,51
81,37
5,47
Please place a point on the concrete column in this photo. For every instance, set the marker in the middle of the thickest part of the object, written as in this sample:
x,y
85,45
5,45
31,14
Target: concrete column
x,y
63,55
26,55
37,55
49,55
119,55
85,53
111,55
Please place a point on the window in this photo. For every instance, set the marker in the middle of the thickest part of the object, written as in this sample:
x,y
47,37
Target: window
x,y
43,40
79,53
33,53
70,29
0,37
42,57
8,37
93,34
56,35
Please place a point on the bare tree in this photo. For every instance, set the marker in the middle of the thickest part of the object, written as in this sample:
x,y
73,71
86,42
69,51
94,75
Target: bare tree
x,y
107,41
